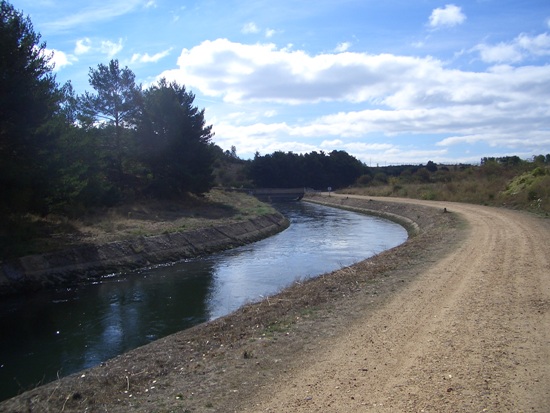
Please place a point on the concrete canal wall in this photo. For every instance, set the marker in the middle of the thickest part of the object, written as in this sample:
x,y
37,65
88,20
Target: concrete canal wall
x,y
83,263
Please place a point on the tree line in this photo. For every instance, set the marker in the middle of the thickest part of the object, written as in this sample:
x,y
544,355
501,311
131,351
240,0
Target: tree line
x,y
59,150
317,170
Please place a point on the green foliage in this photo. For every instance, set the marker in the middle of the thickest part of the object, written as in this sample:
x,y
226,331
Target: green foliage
x,y
230,171
529,190
66,153
422,175
28,100
431,166
317,170
364,180
497,181
115,108
174,142
380,178
504,160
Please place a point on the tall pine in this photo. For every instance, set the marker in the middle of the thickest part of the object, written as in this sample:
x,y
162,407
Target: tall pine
x,y
29,98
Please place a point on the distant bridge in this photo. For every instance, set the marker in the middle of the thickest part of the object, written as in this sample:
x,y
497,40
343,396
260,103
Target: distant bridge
x,y
278,194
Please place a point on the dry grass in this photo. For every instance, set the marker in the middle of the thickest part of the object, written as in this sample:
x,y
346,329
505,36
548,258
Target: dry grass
x,y
32,234
519,189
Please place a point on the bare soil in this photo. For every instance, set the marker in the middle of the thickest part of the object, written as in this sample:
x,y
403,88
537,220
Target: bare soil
x,y
455,320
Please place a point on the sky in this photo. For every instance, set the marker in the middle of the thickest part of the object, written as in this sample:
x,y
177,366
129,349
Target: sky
x,y
390,82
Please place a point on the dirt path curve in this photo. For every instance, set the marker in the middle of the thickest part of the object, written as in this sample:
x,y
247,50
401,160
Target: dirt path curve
x,y
469,334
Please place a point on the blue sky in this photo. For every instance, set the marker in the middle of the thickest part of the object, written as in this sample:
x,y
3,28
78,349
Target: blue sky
x,y
390,82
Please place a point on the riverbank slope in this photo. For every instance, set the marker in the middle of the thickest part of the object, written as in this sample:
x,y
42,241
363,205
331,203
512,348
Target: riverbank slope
x,y
146,235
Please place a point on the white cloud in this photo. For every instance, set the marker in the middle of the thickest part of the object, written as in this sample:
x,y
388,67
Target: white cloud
x,y
522,47
448,16
147,58
500,53
60,59
538,45
342,47
111,48
390,96
270,33
250,28
261,72
266,138
83,46
511,140
95,11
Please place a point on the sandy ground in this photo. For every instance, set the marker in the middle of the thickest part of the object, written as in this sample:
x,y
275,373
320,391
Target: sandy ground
x,y
471,333
455,320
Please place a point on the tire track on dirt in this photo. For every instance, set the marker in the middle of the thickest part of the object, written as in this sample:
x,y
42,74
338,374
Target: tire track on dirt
x,y
468,334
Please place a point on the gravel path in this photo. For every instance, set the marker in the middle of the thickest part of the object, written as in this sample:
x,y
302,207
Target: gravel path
x,y
470,334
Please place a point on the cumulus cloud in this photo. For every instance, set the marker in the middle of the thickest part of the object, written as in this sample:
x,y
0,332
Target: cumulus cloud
x,y
517,50
499,53
261,72
342,47
106,47
147,58
538,45
83,46
250,28
270,33
390,95
448,16
111,48
60,59
253,28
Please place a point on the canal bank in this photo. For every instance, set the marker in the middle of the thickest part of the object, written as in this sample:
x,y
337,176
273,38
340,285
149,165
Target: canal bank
x,y
88,262
217,365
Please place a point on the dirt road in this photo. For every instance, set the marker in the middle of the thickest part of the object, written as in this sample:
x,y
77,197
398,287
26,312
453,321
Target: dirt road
x,y
471,333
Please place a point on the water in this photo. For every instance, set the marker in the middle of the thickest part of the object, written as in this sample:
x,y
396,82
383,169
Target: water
x,y
59,332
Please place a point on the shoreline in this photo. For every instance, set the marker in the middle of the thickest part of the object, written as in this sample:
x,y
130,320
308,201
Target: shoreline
x,y
88,262
260,337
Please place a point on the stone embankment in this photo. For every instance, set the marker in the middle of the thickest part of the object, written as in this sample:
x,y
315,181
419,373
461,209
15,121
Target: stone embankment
x,y
87,262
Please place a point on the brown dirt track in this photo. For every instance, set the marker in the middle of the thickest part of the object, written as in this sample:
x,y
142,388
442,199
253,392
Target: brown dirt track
x,y
455,320
471,333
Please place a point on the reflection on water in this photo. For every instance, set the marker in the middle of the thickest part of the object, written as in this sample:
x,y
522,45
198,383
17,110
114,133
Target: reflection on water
x,y
59,332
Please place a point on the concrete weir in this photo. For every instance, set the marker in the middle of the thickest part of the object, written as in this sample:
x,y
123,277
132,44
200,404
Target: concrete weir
x,y
86,262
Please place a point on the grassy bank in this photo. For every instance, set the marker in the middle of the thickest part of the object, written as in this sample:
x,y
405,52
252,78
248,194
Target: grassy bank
x,y
32,234
525,186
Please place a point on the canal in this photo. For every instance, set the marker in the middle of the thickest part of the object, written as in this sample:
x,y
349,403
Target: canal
x,y
54,333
